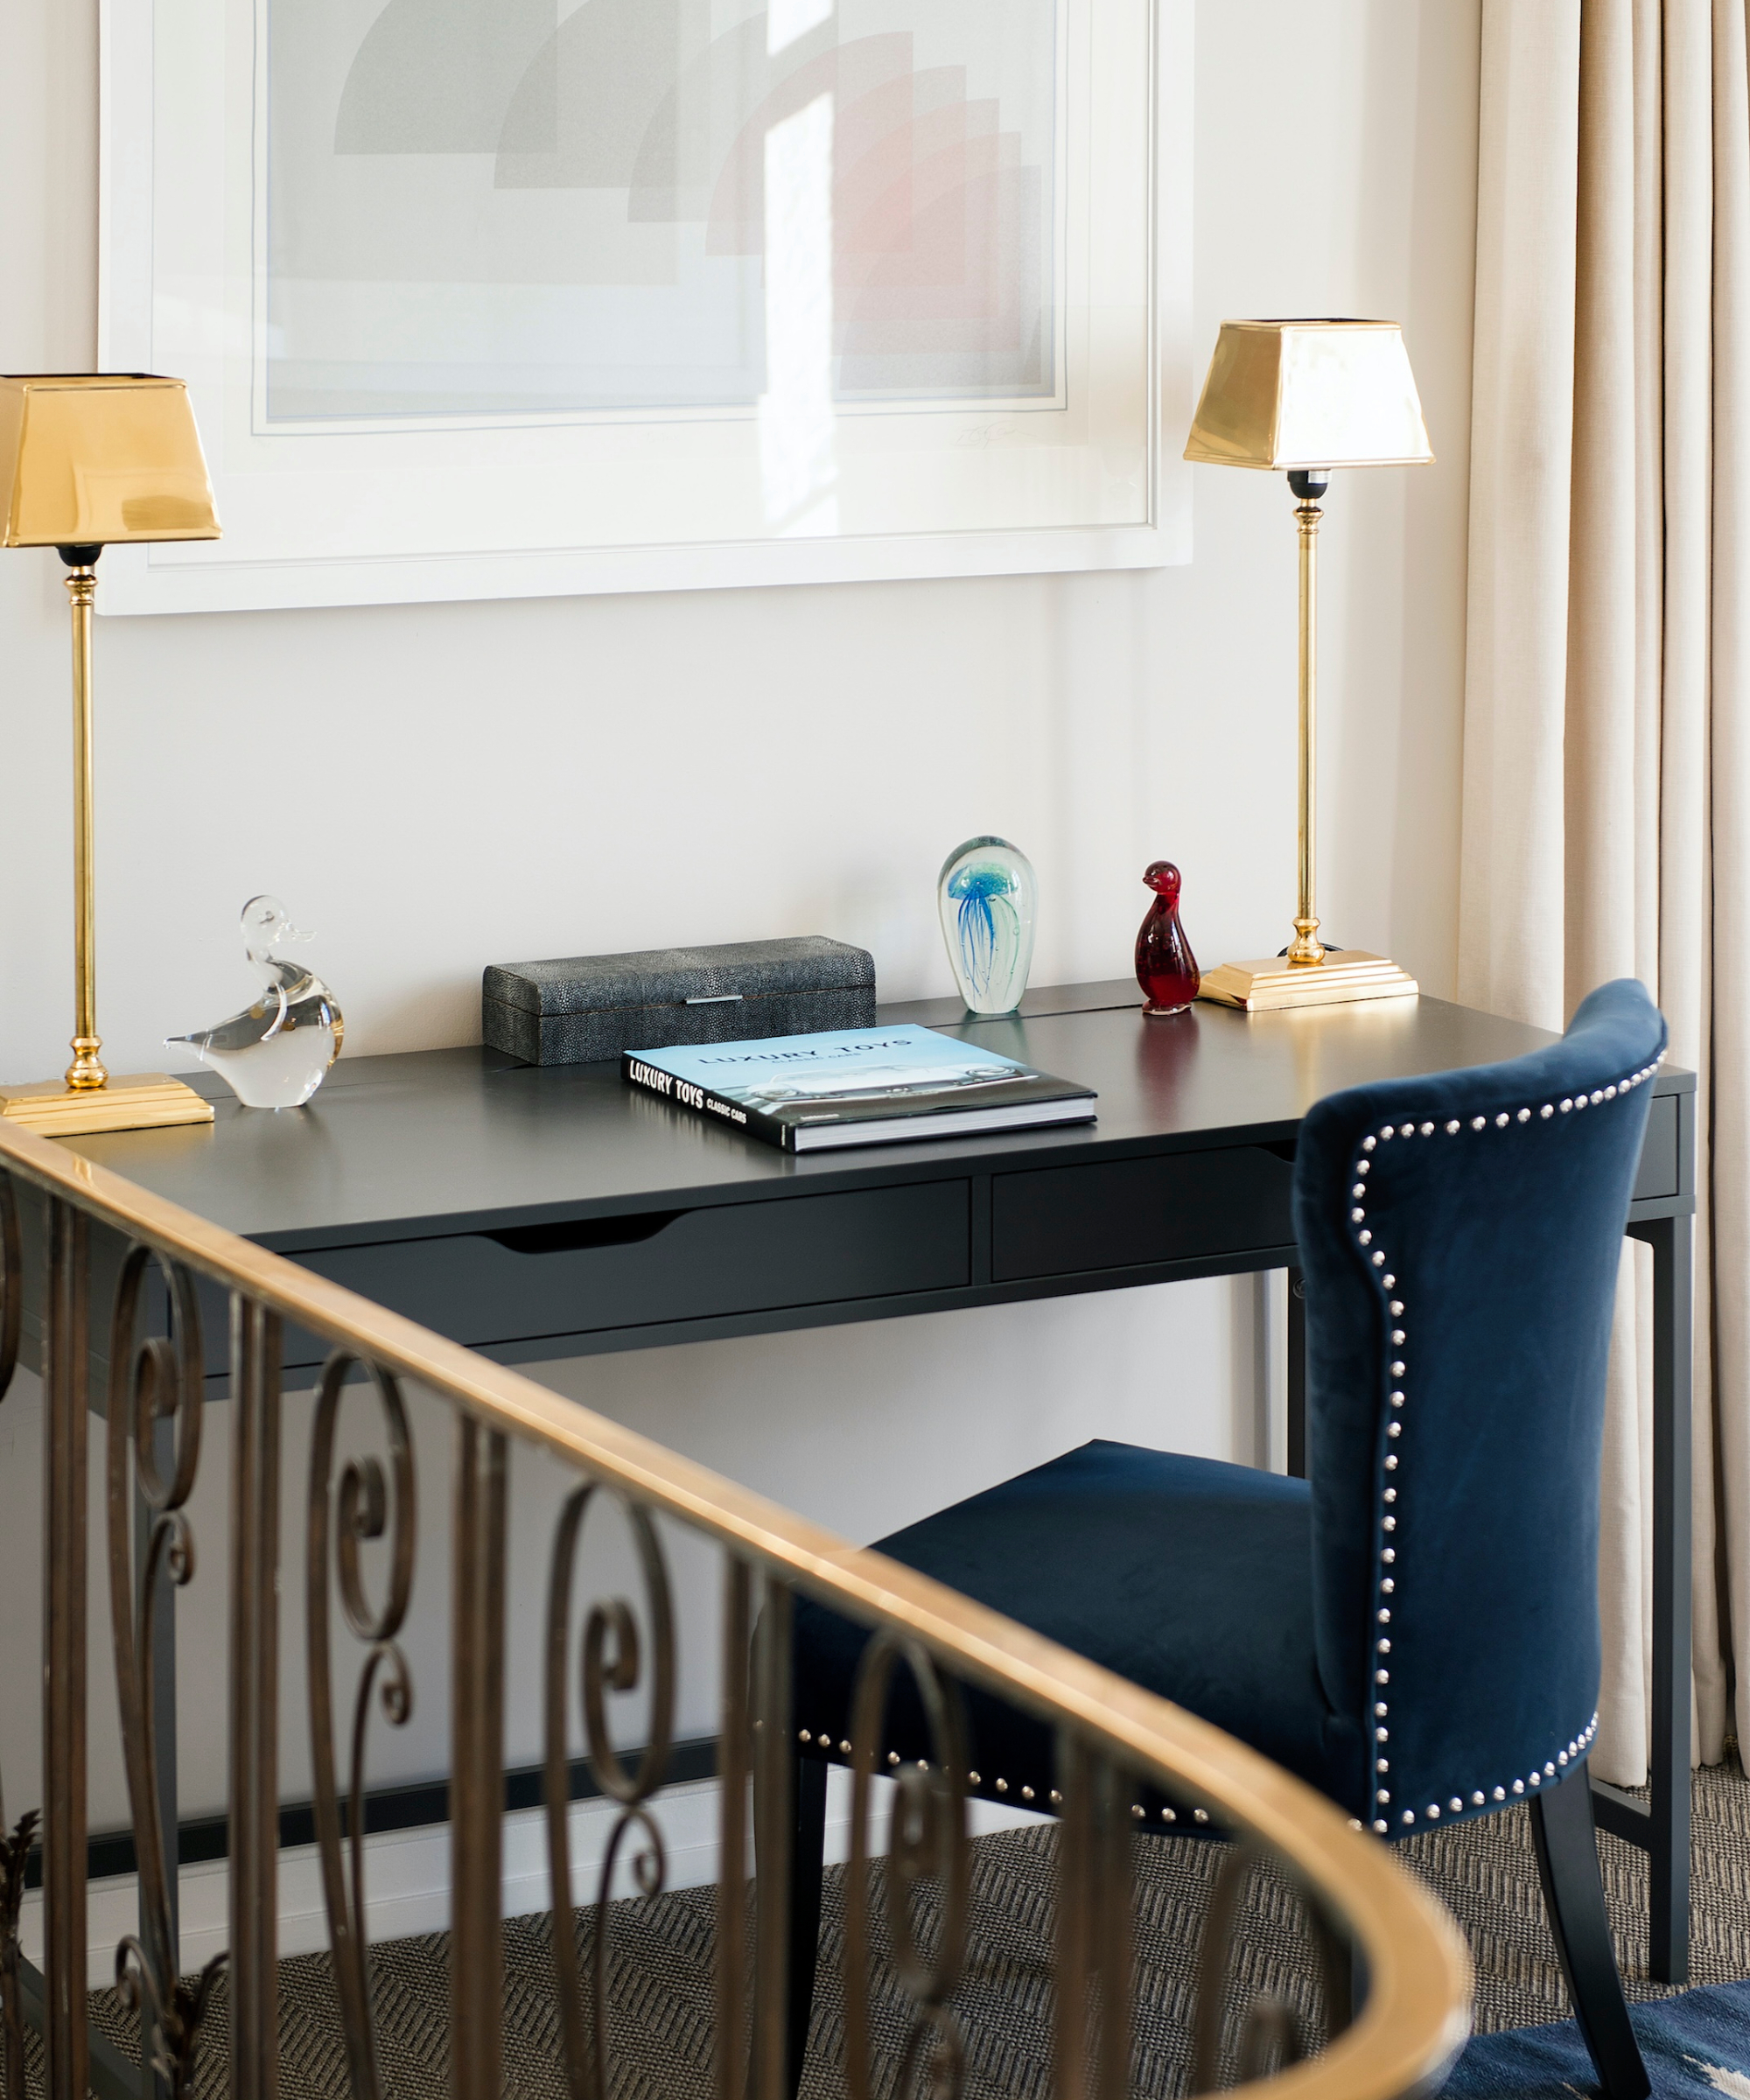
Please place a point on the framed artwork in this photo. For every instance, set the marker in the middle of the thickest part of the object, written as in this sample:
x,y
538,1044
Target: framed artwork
x,y
512,297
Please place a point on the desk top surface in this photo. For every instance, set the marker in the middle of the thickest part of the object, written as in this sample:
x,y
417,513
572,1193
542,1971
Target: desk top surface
x,y
462,1140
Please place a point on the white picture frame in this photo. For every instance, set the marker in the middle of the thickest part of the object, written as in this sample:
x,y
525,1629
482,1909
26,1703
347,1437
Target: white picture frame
x,y
382,504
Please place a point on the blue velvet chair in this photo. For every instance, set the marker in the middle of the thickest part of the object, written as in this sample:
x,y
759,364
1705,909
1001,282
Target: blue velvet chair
x,y
1413,1629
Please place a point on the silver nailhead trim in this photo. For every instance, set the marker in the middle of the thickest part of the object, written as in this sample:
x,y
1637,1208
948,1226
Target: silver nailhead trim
x,y
1393,1427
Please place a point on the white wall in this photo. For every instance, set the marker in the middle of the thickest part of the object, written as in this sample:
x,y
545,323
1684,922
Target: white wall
x,y
433,789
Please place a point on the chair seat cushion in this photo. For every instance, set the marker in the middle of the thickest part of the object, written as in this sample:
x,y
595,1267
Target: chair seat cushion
x,y
1189,1576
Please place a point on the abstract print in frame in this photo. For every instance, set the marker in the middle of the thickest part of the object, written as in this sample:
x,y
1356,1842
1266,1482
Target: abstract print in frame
x,y
515,297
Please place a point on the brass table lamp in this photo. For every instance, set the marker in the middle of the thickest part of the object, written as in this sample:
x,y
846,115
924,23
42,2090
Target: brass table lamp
x,y
88,459
1307,396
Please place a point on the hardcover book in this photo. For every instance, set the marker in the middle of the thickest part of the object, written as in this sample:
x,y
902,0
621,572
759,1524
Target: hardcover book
x,y
857,1086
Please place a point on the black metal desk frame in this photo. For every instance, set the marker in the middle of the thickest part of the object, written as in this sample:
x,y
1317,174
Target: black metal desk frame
x,y
538,1215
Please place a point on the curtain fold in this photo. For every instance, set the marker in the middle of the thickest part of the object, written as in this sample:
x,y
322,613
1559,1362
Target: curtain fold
x,y
1607,789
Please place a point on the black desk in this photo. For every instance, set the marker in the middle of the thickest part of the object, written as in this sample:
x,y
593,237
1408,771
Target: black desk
x,y
536,1213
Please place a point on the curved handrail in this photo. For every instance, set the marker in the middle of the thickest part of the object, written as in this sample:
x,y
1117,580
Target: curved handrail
x,y
1416,2015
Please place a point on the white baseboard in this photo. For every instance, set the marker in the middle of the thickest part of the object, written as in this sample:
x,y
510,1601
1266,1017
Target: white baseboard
x,y
407,1875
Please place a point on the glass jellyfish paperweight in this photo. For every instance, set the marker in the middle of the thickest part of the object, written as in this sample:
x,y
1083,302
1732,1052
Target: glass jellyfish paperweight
x,y
1166,969
276,1053
988,897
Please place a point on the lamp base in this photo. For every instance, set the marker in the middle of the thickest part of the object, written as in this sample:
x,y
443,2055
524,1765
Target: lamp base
x,y
145,1101
1267,986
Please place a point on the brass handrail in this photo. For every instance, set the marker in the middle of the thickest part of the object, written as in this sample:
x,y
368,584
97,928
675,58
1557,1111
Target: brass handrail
x,y
1415,2013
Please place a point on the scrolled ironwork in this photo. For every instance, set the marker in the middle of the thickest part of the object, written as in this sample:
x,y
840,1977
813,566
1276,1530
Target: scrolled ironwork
x,y
612,1659
1270,2032
1270,2040
14,1851
734,1749
159,1382
172,2020
1094,1968
366,1505
927,1840
1413,2020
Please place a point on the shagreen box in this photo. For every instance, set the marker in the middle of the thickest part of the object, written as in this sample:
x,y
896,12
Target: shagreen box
x,y
570,1012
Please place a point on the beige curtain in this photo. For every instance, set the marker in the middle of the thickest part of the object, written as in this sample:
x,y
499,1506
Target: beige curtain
x,y
1606,786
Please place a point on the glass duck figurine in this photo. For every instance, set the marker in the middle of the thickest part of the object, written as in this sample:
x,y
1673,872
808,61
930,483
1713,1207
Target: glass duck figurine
x,y
276,1053
1166,969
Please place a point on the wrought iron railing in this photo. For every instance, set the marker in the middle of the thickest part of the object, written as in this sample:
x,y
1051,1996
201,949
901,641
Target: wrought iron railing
x,y
1392,1959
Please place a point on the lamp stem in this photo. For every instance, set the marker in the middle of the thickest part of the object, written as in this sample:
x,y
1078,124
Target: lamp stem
x,y
86,1073
1307,947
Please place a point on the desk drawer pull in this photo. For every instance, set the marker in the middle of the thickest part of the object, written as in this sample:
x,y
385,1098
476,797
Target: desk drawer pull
x,y
662,1267
573,1236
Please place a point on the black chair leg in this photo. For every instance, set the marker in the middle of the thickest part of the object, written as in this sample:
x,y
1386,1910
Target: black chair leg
x,y
807,1871
1562,1831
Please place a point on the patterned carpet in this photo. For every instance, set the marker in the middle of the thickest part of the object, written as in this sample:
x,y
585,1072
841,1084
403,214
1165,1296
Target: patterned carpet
x,y
661,1967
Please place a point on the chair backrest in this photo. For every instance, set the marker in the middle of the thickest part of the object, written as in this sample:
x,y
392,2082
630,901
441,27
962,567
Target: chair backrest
x,y
1460,1235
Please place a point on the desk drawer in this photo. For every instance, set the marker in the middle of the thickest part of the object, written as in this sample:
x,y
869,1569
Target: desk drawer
x,y
1057,1220
666,1265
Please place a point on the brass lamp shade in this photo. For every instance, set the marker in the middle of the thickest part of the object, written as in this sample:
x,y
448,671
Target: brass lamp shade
x,y
1309,394
88,458
93,458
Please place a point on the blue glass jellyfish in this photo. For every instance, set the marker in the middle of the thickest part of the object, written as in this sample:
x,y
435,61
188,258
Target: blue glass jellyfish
x,y
988,896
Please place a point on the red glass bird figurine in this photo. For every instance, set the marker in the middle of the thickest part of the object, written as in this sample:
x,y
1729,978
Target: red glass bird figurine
x,y
1166,969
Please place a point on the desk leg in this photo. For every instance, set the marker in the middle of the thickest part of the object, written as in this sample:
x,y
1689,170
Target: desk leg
x,y
1662,1825
1673,1244
151,2086
1297,1375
